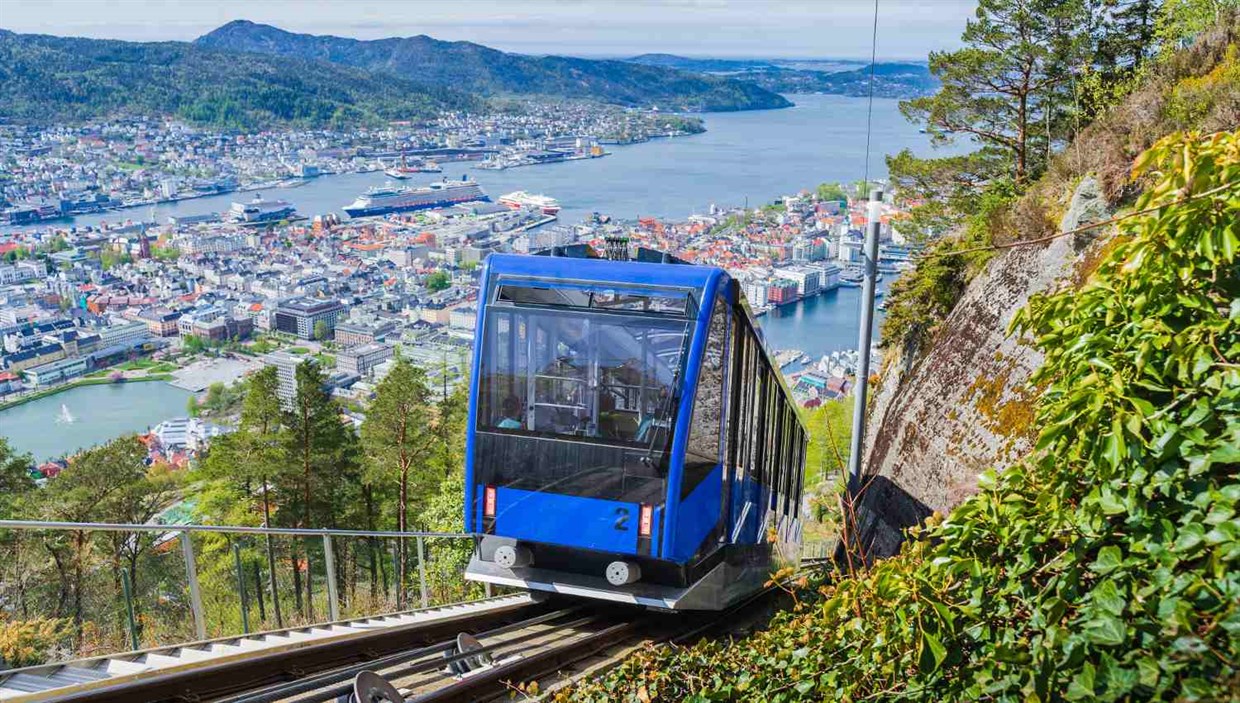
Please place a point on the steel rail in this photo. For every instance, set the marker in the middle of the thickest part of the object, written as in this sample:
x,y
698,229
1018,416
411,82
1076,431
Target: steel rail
x,y
499,650
490,683
215,680
283,691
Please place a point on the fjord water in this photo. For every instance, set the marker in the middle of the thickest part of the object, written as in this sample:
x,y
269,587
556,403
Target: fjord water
x,y
752,157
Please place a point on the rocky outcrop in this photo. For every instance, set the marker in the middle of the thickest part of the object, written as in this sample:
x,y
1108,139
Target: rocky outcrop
x,y
943,416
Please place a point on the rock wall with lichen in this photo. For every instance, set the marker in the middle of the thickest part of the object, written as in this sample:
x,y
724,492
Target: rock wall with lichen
x,y
944,415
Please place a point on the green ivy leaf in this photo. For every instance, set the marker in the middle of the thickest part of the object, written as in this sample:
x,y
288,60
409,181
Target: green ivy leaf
x,y
1105,629
1107,596
1109,559
932,646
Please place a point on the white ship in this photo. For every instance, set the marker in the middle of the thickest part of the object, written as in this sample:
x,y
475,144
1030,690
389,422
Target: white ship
x,y
379,201
520,199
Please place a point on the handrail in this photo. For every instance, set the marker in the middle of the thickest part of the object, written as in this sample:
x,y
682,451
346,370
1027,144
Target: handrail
x,y
191,571
130,527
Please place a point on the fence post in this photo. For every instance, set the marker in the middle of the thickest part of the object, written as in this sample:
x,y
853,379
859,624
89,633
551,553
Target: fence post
x,y
329,560
133,624
245,606
422,571
398,579
191,580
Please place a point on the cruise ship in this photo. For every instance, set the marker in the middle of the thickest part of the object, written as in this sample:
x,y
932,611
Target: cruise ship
x,y
445,193
259,210
520,199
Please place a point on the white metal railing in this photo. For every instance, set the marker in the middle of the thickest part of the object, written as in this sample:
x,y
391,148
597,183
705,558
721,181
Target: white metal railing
x,y
183,533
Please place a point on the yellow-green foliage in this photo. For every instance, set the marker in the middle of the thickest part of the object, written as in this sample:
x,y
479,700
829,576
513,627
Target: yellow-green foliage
x,y
1106,566
1193,99
830,432
29,642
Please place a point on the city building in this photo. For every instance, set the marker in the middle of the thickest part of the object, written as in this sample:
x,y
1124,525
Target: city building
x,y
352,334
807,278
160,321
56,371
361,360
781,291
299,316
21,272
286,365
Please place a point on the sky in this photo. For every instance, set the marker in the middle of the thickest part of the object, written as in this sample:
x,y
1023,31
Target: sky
x,y
908,29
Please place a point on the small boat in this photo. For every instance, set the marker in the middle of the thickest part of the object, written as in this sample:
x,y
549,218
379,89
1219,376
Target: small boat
x,y
405,170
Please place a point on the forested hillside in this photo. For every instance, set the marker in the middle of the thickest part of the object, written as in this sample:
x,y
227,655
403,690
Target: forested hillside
x,y
479,69
54,79
891,79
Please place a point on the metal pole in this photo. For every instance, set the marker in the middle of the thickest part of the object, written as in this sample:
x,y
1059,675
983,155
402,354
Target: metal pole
x,y
191,580
133,621
863,343
329,560
398,579
422,571
245,605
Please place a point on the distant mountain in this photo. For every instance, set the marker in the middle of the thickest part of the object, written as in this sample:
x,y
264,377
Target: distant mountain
x,y
50,79
466,66
891,79
685,63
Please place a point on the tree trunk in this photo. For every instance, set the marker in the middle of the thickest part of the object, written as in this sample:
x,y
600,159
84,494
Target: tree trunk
x,y
309,584
402,520
133,588
369,500
292,558
258,592
306,513
1021,129
77,590
271,557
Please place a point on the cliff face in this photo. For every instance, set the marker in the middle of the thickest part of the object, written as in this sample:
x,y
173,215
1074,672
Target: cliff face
x,y
944,416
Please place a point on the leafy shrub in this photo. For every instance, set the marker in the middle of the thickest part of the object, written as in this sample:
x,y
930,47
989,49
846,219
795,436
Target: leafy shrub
x,y
29,642
922,298
1105,567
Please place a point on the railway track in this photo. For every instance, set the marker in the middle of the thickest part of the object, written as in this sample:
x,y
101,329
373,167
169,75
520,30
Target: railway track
x,y
553,650
212,669
466,652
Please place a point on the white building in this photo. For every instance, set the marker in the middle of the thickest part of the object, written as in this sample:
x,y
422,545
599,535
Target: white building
x,y
807,278
21,272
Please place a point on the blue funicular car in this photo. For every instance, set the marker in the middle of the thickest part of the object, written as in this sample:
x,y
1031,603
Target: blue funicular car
x,y
630,438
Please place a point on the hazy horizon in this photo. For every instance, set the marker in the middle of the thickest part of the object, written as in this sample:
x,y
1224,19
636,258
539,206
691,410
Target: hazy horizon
x,y
798,29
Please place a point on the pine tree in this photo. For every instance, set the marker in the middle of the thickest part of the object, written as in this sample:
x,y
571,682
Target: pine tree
x,y
399,440
1007,88
247,462
316,444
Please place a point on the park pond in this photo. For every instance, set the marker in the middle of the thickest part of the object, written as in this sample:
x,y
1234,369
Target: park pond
x,y
63,423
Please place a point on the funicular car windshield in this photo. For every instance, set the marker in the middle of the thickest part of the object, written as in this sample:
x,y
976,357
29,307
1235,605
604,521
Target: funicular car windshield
x,y
579,388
